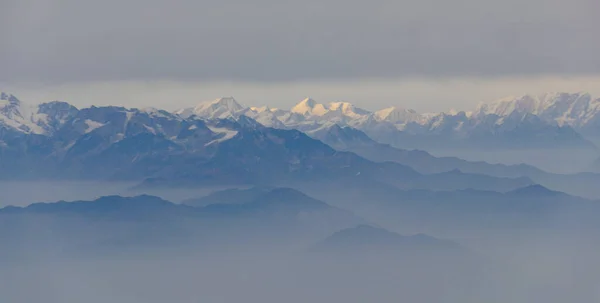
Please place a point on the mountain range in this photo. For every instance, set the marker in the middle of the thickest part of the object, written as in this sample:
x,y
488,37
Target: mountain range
x,y
168,149
283,217
222,142
329,178
509,136
453,213
355,141
365,239
513,122
548,121
286,218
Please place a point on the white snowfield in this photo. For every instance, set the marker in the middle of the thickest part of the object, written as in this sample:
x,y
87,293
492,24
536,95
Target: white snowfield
x,y
576,110
221,108
225,132
92,125
18,116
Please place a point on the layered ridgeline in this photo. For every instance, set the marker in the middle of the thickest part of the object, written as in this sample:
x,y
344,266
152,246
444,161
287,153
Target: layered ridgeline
x,y
326,189
561,126
282,217
218,142
288,217
546,121
353,140
285,218
452,213
59,141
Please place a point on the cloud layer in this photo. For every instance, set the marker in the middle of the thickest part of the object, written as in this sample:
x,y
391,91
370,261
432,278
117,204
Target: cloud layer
x,y
266,40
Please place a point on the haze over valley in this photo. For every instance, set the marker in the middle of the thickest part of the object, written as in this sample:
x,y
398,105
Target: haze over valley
x,y
332,151
279,201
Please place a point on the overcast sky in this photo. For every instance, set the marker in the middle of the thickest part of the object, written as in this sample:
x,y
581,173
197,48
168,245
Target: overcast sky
x,y
424,54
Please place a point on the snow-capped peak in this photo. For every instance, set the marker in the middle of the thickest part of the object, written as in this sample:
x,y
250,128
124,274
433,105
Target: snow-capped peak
x,y
505,106
221,108
532,104
574,109
15,115
309,107
10,106
396,115
263,109
228,103
347,109
342,106
8,100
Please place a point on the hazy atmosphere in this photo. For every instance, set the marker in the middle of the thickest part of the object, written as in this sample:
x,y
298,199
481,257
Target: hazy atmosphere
x,y
314,151
66,40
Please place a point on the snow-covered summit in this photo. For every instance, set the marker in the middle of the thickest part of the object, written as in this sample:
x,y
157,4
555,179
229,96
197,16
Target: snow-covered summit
x,y
264,109
574,109
347,109
8,99
17,116
311,109
397,115
544,117
10,106
221,108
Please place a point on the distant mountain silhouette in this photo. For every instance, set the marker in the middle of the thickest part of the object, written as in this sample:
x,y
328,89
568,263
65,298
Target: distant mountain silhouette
x,y
365,238
167,149
353,140
281,216
469,209
537,191
275,201
229,196
104,205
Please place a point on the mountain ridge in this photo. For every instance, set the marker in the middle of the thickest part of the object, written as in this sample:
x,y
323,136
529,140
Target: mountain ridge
x,y
138,144
560,116
408,129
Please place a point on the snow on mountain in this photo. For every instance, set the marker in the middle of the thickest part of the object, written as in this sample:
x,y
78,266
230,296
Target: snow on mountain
x,y
347,109
397,115
221,108
271,117
311,109
340,138
578,110
10,115
155,112
548,118
225,134
19,117
92,125
53,115
263,109
408,129
307,115
8,102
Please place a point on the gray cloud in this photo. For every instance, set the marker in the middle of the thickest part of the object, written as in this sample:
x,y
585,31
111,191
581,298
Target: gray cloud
x,y
266,40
